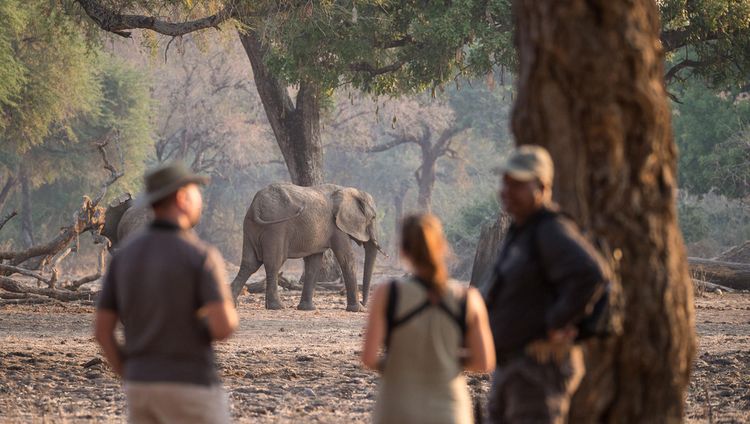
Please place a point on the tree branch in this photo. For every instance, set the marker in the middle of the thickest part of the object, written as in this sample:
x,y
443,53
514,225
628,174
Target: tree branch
x,y
7,188
114,174
89,217
76,284
687,63
10,270
389,44
393,143
118,23
14,286
373,71
7,218
443,143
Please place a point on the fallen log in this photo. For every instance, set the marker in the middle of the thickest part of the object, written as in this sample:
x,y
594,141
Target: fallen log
x,y
729,274
260,286
11,285
711,287
30,301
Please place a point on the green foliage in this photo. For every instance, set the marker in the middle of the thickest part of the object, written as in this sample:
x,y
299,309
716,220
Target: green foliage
x,y
485,109
385,47
464,230
711,131
58,79
713,34
12,75
70,96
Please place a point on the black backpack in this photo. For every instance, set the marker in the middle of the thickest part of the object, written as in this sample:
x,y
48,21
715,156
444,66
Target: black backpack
x,y
392,322
598,322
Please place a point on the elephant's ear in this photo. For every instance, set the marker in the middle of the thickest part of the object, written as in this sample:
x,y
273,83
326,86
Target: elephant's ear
x,y
351,213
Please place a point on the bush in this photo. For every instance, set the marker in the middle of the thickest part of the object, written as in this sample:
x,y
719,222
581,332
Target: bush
x,y
713,223
464,230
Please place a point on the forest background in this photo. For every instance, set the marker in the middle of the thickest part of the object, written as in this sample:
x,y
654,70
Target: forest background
x,y
65,87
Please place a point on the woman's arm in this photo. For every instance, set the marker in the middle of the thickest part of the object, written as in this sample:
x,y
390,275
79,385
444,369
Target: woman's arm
x,y
375,331
478,335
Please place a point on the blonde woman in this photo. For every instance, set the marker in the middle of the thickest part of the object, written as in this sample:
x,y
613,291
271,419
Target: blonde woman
x,y
432,331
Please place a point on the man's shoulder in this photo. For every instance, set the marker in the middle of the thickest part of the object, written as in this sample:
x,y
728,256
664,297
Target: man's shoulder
x,y
200,249
553,220
183,243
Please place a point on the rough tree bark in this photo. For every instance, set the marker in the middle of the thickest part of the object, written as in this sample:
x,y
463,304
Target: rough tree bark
x,y
295,124
398,206
591,89
490,239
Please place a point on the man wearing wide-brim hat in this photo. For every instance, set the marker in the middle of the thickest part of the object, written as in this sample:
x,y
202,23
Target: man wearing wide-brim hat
x,y
170,291
546,276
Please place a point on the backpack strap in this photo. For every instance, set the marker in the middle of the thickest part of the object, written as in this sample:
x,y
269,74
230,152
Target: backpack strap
x,y
390,311
392,322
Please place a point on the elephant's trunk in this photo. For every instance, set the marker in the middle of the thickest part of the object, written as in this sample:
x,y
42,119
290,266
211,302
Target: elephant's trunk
x,y
371,252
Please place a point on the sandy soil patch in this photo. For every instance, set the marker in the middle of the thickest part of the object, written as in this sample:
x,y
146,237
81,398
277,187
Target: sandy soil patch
x,y
291,366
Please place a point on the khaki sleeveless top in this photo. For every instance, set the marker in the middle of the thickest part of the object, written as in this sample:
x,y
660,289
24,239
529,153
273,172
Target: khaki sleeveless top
x,y
423,379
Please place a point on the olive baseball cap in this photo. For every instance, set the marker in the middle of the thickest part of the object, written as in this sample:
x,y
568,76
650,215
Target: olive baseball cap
x,y
527,163
165,179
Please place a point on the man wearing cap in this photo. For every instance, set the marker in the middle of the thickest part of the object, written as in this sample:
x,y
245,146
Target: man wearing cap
x,y
169,290
545,277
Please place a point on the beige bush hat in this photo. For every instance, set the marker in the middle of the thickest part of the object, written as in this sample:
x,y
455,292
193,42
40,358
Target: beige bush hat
x,y
527,163
166,179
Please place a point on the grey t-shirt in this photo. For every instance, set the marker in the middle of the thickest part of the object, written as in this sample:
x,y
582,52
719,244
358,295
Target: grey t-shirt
x,y
156,283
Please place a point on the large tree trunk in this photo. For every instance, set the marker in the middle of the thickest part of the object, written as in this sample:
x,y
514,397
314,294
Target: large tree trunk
x,y
207,227
296,127
398,208
488,247
426,179
27,223
591,89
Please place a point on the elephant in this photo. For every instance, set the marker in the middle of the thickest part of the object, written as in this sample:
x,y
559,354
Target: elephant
x,y
290,221
123,218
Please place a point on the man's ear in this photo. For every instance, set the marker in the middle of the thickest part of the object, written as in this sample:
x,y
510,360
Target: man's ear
x,y
181,197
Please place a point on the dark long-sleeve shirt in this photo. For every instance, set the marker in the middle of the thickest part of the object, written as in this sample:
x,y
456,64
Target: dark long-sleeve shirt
x,y
546,275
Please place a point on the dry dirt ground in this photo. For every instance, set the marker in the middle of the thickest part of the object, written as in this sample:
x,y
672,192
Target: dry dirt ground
x,y
291,366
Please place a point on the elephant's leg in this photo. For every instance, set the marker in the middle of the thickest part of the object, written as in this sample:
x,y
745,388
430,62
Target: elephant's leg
x,y
272,266
248,267
342,248
312,268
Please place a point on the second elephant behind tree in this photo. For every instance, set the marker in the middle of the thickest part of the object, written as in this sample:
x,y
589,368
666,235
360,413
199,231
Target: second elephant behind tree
x,y
289,221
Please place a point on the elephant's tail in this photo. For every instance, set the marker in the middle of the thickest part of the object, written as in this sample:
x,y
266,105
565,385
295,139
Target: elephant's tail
x,y
259,220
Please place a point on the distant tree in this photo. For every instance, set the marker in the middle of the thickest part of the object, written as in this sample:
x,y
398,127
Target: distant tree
x,y
212,119
707,38
712,131
437,126
67,97
378,47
